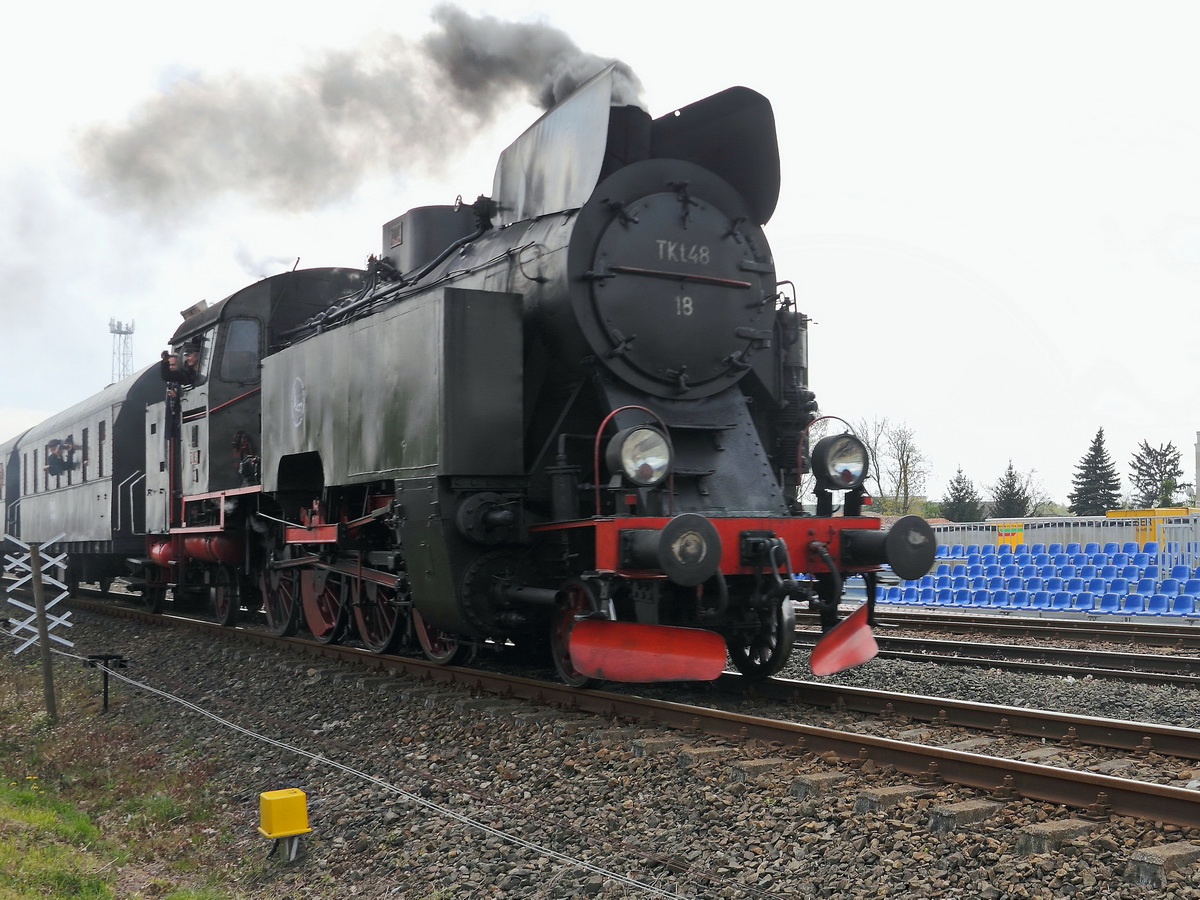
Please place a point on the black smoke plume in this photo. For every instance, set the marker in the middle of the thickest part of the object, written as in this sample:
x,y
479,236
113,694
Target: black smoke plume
x,y
303,140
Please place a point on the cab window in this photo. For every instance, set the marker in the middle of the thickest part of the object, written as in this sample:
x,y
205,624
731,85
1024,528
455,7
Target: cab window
x,y
240,360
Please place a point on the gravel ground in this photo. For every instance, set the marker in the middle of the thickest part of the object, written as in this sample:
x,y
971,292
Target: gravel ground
x,y
441,804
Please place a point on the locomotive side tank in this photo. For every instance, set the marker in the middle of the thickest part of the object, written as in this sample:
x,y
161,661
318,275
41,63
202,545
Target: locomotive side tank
x,y
584,420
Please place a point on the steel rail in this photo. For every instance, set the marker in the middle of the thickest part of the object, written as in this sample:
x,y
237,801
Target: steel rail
x,y
1060,727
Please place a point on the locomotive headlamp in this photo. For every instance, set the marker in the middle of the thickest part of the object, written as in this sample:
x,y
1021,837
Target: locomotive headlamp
x,y
641,454
840,462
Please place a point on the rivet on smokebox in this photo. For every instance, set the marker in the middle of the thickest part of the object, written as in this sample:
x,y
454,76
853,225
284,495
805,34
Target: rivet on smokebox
x,y
283,817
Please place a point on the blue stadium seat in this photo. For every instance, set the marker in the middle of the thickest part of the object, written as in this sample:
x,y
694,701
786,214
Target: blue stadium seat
x,y
943,582
974,559
1084,601
1028,572
1091,548
980,599
1039,600
1020,548
928,581
1131,573
1041,560
1018,600
1156,605
1150,548
1110,548
1151,571
1132,604
1119,585
974,571
1108,603
957,551
972,549
1074,585
1060,600
1068,571
1141,560
1011,571
1143,586
892,594
1169,586
1097,586
1191,586
986,550
992,571
1048,571
928,596
1130,547
943,569
960,583
1181,572
961,597
1081,559
994,584
1054,548
944,597
999,600
1014,584
1119,559
1183,605
1054,584
1005,559
1108,573
1071,549
1086,572
1035,549
1035,584
941,552
1023,559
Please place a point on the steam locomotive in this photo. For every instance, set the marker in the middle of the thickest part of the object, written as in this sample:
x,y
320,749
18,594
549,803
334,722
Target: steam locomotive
x,y
571,417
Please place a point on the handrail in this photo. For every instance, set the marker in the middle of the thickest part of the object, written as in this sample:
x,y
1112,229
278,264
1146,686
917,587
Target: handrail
x,y
134,478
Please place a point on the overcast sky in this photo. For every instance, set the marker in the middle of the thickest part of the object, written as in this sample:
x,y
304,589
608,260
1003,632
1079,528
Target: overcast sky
x,y
992,211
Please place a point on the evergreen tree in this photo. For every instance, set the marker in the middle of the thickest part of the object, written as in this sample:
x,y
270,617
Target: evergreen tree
x,y
1155,475
962,502
1010,497
1097,487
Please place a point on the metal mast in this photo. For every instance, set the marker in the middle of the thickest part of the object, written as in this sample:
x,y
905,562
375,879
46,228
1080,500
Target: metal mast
x,y
122,352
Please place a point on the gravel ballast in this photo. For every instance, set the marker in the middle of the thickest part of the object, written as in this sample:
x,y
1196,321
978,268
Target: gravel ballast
x,y
409,797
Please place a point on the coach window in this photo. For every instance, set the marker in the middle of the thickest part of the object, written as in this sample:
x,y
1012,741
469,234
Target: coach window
x,y
100,450
83,456
239,363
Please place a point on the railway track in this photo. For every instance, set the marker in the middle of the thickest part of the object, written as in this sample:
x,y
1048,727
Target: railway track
x,y
1169,635
1003,778
1149,668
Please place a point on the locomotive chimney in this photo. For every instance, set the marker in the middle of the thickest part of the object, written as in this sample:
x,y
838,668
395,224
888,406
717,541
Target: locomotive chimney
x,y
629,129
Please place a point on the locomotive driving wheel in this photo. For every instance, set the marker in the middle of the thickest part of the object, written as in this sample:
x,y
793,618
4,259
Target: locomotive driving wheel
x,y
326,612
381,614
762,653
225,591
440,646
281,597
581,601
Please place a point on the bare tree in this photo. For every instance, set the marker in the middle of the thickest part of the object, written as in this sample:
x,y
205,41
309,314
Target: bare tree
x,y
873,433
898,467
905,471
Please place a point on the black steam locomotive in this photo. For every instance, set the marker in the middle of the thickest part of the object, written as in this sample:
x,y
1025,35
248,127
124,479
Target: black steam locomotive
x,y
571,416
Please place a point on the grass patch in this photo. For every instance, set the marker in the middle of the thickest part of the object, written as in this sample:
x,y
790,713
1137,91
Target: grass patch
x,y
87,811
